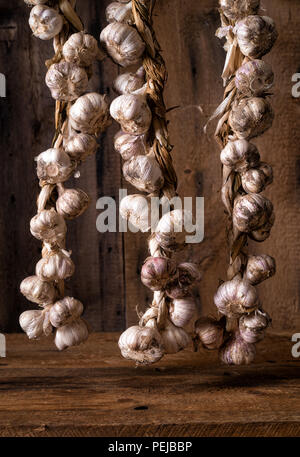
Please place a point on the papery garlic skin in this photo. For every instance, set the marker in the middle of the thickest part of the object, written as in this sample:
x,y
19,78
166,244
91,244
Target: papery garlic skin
x,y
263,232
66,81
144,173
31,323
256,35
236,297
81,49
170,232
240,155
182,310
38,291
132,112
251,117
254,78
123,43
71,334
45,22
250,212
127,83
72,203
54,166
157,271
179,287
210,332
236,351
129,146
252,326
35,2
48,226
143,345
80,145
136,209
174,338
90,113
55,266
116,12
237,9
65,311
259,268
255,180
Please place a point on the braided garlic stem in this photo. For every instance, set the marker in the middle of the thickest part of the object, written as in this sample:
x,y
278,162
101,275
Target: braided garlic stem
x,y
79,118
244,114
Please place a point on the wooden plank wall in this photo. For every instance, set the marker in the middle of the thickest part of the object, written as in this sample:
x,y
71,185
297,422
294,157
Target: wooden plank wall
x,y
108,265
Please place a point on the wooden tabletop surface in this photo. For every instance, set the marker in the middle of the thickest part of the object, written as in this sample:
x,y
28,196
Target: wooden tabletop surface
x,y
91,391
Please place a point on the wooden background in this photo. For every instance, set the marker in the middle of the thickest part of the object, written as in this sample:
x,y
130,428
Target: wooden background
x,y
108,265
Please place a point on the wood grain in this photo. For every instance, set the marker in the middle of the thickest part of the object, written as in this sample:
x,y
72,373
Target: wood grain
x,y
91,391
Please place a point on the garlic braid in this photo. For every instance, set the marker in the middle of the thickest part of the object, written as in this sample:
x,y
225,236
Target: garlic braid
x,y
78,120
144,144
244,114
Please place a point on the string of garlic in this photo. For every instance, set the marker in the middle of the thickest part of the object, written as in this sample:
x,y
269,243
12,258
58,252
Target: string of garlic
x,y
79,118
143,144
244,114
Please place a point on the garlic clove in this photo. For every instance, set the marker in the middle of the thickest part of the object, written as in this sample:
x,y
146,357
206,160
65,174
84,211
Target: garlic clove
x,y
80,145
54,166
256,35
210,332
141,344
136,209
144,173
259,268
55,266
182,310
157,271
48,226
90,113
71,334
81,49
254,78
122,43
31,323
116,12
240,155
38,291
174,338
251,212
237,351
236,297
129,145
132,112
127,83
66,81
252,326
65,311
45,22
237,9
72,203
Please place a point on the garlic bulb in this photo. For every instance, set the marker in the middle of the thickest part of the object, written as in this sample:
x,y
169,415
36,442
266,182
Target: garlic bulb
x,y
144,173
54,166
80,145
236,297
263,232
129,82
174,338
116,12
259,268
136,209
71,334
237,9
129,146
240,155
179,287
65,311
237,352
182,310
251,212
90,113
33,323
48,226
55,266
157,271
66,81
256,35
35,2
132,112
255,180
123,43
254,78
45,22
81,49
38,291
72,203
170,232
251,117
252,326
141,344
210,332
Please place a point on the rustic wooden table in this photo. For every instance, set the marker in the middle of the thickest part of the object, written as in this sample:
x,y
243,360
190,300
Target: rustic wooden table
x,y
91,391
